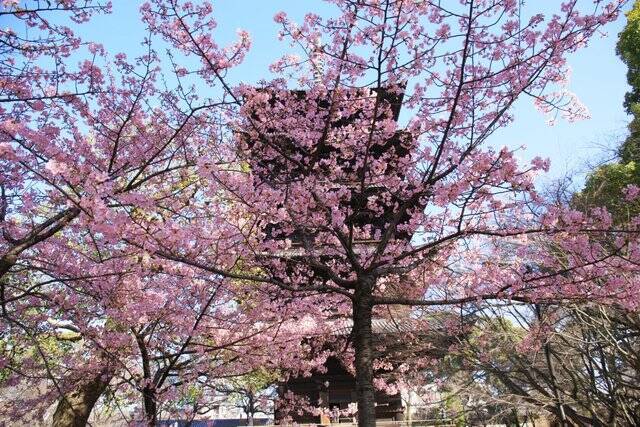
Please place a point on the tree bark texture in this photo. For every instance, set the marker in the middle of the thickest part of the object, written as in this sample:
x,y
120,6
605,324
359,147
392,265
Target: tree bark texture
x,y
363,344
74,408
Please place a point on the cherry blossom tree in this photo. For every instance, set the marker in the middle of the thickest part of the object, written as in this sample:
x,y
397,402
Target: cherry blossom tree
x,y
374,181
362,176
86,153
35,72
124,333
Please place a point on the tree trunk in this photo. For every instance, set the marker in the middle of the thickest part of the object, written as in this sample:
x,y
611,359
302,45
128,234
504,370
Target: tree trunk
x,y
149,403
74,408
362,338
556,393
251,410
6,262
150,406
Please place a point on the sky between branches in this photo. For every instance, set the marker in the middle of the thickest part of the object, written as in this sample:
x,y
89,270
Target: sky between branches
x,y
598,76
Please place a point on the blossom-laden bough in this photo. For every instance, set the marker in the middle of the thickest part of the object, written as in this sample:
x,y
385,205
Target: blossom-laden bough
x,y
152,196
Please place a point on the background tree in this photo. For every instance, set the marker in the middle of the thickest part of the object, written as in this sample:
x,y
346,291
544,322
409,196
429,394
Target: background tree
x,y
576,362
614,184
253,392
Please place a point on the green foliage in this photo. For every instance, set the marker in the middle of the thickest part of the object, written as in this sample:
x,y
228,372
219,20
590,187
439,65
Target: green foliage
x,y
605,187
630,149
5,349
256,380
455,409
628,48
191,396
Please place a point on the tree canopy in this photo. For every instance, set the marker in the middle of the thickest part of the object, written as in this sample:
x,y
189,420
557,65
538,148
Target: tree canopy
x,y
185,231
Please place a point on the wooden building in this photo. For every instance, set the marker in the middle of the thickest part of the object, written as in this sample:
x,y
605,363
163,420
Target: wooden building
x,y
269,153
335,390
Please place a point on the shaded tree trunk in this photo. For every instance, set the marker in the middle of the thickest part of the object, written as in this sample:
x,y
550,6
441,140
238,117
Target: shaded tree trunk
x,y
363,344
552,376
74,408
148,392
6,262
251,409
150,406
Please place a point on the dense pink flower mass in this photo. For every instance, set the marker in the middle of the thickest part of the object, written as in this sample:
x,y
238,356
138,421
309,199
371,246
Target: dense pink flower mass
x,y
162,228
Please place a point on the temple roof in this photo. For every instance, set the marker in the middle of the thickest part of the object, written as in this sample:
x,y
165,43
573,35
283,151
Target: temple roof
x,y
382,326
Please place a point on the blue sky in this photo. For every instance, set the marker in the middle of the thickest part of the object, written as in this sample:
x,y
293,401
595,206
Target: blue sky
x,y
598,76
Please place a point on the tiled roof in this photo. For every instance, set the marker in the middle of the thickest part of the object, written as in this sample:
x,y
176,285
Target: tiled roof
x,y
390,326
